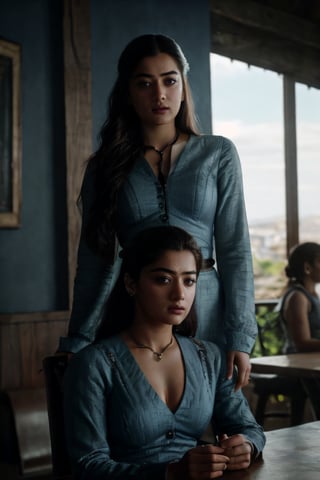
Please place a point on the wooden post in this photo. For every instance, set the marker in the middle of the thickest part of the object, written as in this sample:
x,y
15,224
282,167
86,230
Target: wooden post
x,y
77,82
291,175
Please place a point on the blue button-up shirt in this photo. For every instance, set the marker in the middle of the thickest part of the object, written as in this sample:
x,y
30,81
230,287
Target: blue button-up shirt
x,y
118,427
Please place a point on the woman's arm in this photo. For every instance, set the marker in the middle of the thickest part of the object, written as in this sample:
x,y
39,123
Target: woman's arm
x,y
92,283
296,309
233,250
87,384
232,415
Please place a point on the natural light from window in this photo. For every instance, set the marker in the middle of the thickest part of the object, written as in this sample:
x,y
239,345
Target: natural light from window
x,y
308,145
247,107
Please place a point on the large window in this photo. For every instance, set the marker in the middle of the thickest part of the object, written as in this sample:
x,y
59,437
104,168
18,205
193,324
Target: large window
x,y
247,107
308,147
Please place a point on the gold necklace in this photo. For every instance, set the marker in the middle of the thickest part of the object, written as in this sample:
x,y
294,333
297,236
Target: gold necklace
x,y
157,355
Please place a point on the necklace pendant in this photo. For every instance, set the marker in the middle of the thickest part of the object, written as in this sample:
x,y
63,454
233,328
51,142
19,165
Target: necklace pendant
x,y
158,356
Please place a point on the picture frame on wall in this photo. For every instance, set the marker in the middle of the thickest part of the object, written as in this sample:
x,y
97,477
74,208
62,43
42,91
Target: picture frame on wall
x,y
10,134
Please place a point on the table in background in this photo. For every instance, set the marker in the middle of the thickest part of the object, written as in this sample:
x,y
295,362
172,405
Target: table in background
x,y
290,454
294,364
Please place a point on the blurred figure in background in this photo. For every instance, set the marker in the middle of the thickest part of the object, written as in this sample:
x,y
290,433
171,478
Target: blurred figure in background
x,y
300,309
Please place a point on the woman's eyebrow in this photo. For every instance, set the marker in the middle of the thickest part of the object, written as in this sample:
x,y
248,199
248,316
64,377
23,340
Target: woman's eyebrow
x,y
164,74
172,272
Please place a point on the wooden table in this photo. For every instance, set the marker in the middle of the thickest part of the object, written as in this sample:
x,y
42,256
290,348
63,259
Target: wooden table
x,y
295,364
290,454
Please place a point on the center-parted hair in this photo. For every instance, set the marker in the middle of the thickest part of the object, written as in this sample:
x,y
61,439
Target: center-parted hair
x,y
121,138
146,248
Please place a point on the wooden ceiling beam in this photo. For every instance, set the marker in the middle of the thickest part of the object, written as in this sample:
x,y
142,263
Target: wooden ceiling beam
x,y
267,19
258,48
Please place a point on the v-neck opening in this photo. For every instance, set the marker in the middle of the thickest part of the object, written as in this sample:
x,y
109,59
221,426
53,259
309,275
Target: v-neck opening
x,y
146,381
176,163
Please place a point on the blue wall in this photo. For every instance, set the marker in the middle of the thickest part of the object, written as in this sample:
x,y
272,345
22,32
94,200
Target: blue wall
x,y
33,258
115,23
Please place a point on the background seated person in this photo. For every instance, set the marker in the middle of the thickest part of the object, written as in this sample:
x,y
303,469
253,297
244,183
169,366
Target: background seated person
x,y
300,310
138,400
301,305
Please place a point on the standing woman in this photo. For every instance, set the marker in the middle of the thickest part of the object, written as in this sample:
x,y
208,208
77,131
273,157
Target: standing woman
x,y
152,168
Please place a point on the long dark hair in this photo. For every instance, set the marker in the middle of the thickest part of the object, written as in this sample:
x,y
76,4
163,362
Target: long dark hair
x,y
146,248
299,255
121,139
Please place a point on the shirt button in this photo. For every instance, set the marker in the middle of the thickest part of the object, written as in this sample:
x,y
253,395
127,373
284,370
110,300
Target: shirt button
x,y
170,434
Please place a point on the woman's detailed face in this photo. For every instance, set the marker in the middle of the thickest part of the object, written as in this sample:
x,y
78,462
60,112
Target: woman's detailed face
x,y
166,289
156,90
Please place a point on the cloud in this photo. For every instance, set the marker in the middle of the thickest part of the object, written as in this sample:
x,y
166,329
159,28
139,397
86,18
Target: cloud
x,y
222,67
247,104
261,151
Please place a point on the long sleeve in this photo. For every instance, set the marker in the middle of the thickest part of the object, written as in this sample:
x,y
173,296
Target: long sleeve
x,y
232,414
87,386
233,252
117,426
94,279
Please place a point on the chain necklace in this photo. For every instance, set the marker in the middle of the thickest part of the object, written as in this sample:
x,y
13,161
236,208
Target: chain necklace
x,y
160,153
157,355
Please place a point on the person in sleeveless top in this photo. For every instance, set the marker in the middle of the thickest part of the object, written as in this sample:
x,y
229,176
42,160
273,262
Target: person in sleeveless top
x,y
138,399
300,309
153,167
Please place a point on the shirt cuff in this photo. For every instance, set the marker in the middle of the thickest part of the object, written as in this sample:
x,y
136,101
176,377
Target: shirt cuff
x,y
72,344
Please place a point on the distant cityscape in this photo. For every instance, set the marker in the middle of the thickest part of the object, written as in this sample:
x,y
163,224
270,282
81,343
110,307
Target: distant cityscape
x,y
268,243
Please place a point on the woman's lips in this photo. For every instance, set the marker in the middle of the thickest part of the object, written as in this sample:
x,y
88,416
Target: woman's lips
x,y
160,110
176,310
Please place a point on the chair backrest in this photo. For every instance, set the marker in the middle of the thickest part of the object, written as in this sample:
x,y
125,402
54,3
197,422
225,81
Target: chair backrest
x,y
54,368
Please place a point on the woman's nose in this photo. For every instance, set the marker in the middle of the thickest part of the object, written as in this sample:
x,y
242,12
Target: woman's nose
x,y
160,92
178,291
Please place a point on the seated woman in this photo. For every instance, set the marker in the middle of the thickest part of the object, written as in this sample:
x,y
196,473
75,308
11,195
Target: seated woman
x,y
300,309
138,400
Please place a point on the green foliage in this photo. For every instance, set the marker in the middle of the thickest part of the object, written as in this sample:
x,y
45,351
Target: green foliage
x,y
267,267
270,340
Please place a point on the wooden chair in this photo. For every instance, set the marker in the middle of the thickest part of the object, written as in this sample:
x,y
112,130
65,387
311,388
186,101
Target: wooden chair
x,y
54,368
24,434
270,342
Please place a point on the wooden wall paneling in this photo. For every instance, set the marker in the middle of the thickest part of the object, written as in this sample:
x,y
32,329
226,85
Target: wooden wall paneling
x,y
24,342
10,371
77,80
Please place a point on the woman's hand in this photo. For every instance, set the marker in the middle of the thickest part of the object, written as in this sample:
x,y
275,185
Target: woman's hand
x,y
203,462
242,361
238,449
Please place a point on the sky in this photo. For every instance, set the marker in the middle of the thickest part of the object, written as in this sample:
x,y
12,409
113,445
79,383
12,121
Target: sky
x,y
247,107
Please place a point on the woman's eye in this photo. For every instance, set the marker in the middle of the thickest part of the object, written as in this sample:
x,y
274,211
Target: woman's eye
x,y
144,84
190,281
170,81
162,280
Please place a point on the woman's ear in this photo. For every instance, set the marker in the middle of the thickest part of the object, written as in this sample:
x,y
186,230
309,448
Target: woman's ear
x,y
307,268
129,284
